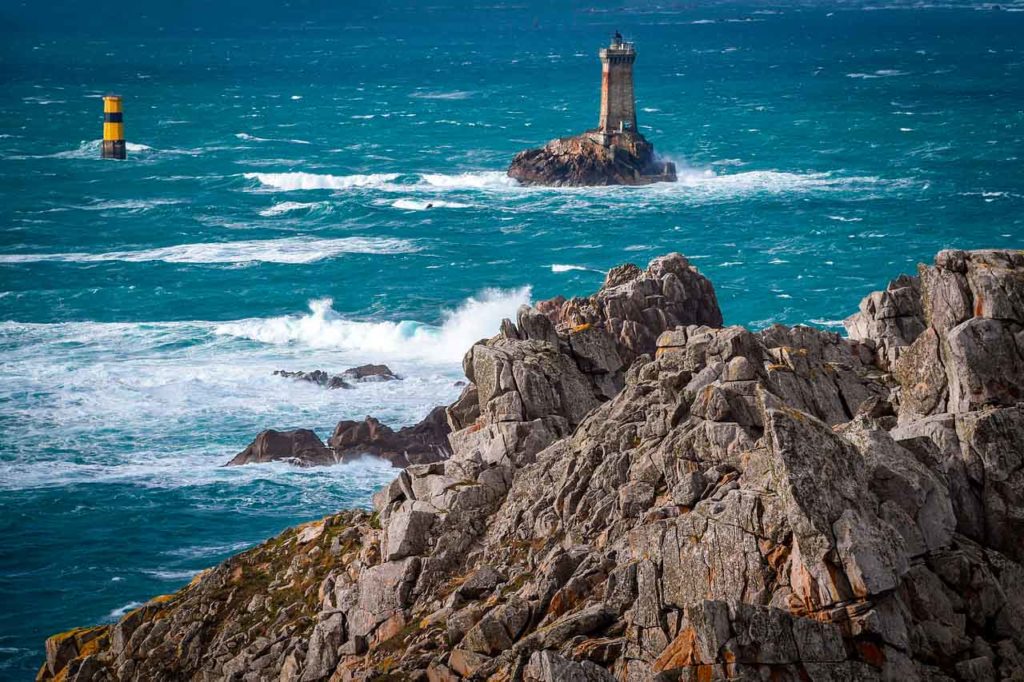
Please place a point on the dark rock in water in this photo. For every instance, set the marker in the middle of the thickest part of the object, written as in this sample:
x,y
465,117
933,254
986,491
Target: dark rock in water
x,y
360,374
423,443
370,373
317,376
300,447
581,161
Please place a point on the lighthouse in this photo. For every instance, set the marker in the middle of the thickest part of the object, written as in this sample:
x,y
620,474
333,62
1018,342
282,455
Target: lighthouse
x,y
613,153
618,108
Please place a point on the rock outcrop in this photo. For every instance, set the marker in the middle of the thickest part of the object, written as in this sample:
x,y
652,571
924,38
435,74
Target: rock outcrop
x,y
360,374
300,447
423,443
785,504
582,160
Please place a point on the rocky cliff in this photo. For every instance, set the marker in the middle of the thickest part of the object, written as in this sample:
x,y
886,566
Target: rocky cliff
x,y
627,159
637,493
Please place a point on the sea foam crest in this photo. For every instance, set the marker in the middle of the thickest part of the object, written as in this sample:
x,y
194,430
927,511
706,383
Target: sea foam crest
x,y
289,250
305,181
478,317
425,205
393,182
290,206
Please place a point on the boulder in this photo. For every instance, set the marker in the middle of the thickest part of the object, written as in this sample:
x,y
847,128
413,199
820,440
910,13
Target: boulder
x,y
300,447
369,373
422,443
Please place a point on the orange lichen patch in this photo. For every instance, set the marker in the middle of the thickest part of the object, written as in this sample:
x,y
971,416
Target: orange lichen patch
x,y
581,328
198,578
681,651
161,599
871,653
979,306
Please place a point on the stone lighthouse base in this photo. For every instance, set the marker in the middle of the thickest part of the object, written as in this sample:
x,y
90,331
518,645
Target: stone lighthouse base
x,y
594,158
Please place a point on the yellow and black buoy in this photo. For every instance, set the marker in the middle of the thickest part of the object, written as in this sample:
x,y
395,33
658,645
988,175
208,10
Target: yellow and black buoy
x,y
113,128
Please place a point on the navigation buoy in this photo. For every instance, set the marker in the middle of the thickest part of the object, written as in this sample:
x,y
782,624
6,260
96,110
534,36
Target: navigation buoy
x,y
113,128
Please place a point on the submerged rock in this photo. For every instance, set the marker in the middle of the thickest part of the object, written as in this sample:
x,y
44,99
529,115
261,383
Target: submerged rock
x,y
725,504
581,160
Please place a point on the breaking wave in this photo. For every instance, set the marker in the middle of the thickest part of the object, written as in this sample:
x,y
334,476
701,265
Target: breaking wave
x,y
322,327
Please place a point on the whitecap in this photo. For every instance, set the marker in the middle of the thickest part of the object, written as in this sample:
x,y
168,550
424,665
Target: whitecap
x,y
418,205
471,180
557,267
130,205
310,181
293,250
289,206
441,94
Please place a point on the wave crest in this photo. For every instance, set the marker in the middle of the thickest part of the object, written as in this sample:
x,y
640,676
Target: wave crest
x,y
322,327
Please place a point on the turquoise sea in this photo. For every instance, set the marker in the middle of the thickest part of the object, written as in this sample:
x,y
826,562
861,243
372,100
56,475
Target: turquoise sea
x,y
273,214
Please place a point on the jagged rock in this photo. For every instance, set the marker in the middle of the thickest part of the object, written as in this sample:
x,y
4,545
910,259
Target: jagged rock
x,y
369,373
745,506
300,447
362,373
422,443
635,306
317,376
892,318
582,161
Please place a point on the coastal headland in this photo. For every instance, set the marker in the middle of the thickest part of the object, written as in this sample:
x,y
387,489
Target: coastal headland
x,y
637,492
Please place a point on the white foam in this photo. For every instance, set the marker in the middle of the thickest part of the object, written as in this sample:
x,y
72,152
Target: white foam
x,y
477,180
424,205
252,138
567,268
289,206
172,576
289,250
478,317
117,613
130,205
289,182
90,150
880,73
453,94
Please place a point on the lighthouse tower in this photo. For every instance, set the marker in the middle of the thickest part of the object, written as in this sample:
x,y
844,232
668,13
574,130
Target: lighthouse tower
x,y
618,109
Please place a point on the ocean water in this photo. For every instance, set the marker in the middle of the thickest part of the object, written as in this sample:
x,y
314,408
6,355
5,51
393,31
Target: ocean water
x,y
273,214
